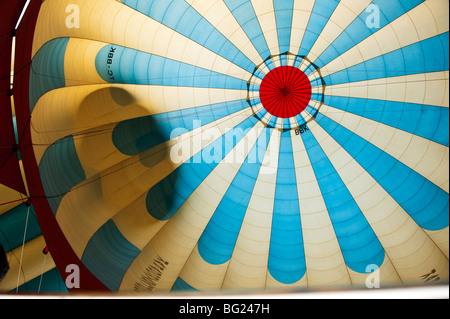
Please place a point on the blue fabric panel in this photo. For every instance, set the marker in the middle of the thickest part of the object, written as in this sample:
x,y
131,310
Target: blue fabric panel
x,y
300,119
317,96
286,254
315,82
116,64
427,121
425,202
47,69
297,62
270,65
12,227
261,113
273,121
310,109
283,15
180,286
216,245
108,255
286,123
359,244
181,17
60,170
50,283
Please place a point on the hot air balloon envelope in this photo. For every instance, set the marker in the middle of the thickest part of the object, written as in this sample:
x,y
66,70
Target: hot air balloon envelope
x,y
227,145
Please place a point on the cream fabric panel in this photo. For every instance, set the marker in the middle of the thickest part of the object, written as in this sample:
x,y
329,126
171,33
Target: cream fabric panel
x,y
300,18
427,88
266,18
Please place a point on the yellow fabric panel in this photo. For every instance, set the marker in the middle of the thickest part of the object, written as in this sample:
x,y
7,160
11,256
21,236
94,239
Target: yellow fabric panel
x,y
88,109
204,276
74,110
440,237
8,195
79,62
116,187
111,191
34,263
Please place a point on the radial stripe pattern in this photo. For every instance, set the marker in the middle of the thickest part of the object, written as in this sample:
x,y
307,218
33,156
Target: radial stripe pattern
x,y
242,144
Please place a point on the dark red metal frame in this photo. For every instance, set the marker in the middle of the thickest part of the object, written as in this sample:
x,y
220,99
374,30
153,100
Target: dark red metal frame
x,y
59,247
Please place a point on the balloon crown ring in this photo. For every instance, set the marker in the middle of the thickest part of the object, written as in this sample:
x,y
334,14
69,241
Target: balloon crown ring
x,y
286,91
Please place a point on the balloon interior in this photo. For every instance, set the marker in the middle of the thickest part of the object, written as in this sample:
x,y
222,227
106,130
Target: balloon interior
x,y
229,145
